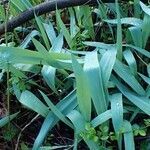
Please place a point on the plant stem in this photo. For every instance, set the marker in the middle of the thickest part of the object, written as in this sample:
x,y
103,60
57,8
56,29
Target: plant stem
x,y
6,8
8,93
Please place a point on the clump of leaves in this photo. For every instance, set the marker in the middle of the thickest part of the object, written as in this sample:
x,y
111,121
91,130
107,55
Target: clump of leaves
x,y
89,133
110,82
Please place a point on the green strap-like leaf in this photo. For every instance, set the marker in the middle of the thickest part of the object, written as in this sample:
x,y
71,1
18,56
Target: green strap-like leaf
x,y
107,63
48,74
43,32
50,31
55,110
31,101
130,59
99,44
117,111
136,34
101,118
119,33
145,30
124,72
39,47
6,119
13,55
145,8
146,79
28,39
83,90
65,106
88,21
140,101
137,10
64,29
128,20
128,136
93,72
140,50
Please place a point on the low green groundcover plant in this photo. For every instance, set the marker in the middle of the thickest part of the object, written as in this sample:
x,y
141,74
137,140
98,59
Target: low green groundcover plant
x,y
86,67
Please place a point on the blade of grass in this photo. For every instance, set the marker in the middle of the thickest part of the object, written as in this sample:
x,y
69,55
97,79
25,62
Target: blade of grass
x,y
146,23
20,5
117,111
49,29
140,101
140,50
107,63
83,91
55,110
57,44
128,136
137,10
124,72
48,74
119,33
66,105
146,79
99,44
145,30
73,27
39,46
7,119
145,8
15,55
88,21
28,39
117,115
127,20
31,101
64,30
136,36
130,59
43,32
101,118
93,72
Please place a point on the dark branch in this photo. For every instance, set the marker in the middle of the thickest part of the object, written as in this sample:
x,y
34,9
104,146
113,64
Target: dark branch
x,y
45,8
